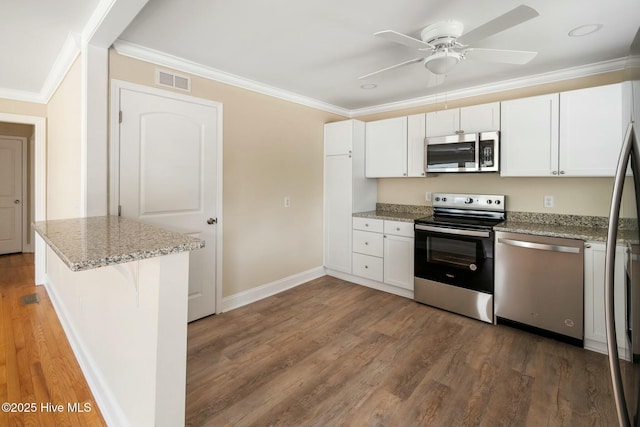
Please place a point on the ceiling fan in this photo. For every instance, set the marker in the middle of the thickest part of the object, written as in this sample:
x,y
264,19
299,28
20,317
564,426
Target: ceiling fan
x,y
443,44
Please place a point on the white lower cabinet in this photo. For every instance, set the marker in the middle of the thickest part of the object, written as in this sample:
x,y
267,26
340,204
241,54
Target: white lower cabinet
x,y
368,266
595,335
383,251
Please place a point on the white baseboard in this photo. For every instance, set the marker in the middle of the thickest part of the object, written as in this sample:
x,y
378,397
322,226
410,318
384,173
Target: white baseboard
x,y
263,291
372,284
109,408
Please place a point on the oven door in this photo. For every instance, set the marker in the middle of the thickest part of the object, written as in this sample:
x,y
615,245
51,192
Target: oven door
x,y
455,153
454,256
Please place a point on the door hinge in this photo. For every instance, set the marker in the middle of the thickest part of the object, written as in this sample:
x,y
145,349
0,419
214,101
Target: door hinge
x,y
120,116
119,210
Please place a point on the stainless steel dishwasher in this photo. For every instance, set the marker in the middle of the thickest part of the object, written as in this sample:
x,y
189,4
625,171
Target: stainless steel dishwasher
x,y
539,284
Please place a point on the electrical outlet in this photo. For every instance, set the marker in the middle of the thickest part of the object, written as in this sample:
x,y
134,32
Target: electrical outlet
x,y
427,196
548,201
287,201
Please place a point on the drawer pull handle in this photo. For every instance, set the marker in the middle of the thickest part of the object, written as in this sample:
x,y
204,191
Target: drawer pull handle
x,y
366,243
397,228
366,266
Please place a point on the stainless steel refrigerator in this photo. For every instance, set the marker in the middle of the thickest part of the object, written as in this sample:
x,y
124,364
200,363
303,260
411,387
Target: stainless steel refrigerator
x,y
625,365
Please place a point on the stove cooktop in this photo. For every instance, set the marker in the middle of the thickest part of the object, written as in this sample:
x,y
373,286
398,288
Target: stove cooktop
x,y
466,210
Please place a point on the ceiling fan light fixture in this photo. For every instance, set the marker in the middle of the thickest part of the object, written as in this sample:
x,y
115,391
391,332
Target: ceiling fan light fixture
x,y
442,62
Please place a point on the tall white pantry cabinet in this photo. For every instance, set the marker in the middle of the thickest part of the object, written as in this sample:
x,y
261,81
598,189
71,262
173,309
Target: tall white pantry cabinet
x,y
346,190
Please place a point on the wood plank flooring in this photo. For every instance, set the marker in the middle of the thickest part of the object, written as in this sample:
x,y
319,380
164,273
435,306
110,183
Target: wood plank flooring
x,y
333,353
37,365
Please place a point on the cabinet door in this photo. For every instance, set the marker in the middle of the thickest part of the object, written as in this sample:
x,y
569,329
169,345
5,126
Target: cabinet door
x,y
443,122
338,215
398,261
590,131
386,148
595,334
338,138
480,118
529,136
416,125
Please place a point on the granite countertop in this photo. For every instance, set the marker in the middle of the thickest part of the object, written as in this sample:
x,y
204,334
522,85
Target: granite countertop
x,y
392,216
392,212
588,228
88,243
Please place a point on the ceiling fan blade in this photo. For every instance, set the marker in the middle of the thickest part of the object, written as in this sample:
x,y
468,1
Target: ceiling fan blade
x,y
499,55
402,64
510,19
403,39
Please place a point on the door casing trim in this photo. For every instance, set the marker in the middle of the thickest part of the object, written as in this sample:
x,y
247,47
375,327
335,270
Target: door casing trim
x,y
114,160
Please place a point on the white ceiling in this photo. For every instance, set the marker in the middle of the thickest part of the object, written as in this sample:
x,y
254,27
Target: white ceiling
x,y
318,49
32,34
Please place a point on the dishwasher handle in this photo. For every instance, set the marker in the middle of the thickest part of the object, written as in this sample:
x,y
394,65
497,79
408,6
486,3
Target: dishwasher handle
x,y
539,246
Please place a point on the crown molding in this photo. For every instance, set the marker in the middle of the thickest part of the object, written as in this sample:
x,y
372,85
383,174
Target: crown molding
x,y
65,59
534,80
159,58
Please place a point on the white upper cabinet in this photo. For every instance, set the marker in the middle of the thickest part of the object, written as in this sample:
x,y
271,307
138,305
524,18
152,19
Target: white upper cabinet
x,y
444,122
480,118
338,138
529,136
386,148
575,133
476,118
590,131
416,132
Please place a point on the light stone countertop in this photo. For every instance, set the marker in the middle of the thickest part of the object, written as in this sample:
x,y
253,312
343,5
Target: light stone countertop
x,y
587,228
593,234
387,215
88,243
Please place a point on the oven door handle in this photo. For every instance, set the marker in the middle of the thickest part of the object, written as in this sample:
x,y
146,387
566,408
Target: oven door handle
x,y
539,246
457,231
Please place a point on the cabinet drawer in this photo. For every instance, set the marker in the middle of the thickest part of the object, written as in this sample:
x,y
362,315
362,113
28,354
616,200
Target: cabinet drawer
x,y
367,266
368,224
398,228
365,242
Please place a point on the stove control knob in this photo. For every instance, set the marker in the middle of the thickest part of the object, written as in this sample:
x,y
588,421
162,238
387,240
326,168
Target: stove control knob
x,y
437,199
444,199
497,202
489,201
468,200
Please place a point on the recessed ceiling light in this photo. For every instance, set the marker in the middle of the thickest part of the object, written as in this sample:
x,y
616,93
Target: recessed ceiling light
x,y
368,86
585,30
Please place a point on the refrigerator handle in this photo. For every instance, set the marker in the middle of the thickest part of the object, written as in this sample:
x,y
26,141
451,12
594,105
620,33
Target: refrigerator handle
x,y
614,215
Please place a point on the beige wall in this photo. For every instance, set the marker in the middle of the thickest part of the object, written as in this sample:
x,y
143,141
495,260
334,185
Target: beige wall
x,y
272,149
23,108
64,147
580,196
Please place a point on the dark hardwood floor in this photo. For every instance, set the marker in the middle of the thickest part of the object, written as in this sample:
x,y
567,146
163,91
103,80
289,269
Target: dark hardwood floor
x,y
326,353
333,353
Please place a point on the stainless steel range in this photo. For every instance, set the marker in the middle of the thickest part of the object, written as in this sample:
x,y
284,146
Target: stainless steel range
x,y
454,265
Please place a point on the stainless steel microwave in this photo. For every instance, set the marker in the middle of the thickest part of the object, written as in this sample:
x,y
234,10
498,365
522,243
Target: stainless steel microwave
x,y
465,152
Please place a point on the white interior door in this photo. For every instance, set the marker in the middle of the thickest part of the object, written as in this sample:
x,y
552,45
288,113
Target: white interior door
x,y
11,200
168,177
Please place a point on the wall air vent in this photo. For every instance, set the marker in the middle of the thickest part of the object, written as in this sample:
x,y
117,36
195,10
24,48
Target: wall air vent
x,y
166,78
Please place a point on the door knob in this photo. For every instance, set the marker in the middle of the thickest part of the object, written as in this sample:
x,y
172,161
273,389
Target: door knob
x,y
17,202
212,221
